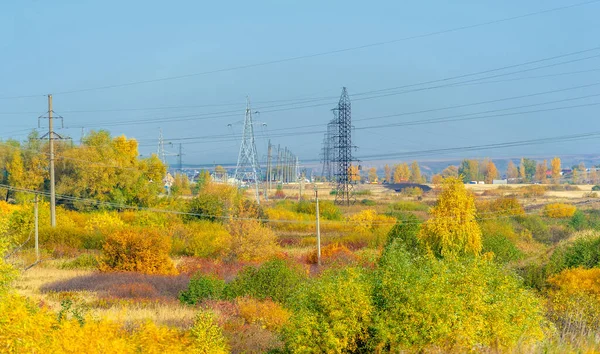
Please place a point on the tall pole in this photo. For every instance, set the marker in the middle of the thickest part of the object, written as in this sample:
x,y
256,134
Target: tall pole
x,y
180,158
269,167
35,225
51,146
318,227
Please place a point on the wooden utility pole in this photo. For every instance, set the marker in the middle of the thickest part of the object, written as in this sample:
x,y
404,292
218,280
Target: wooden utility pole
x,y
36,228
318,227
51,147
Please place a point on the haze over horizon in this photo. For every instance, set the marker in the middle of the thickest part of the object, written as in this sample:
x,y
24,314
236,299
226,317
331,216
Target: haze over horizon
x,y
88,71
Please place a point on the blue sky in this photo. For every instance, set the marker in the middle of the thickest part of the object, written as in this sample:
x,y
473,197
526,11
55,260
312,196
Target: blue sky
x,y
60,46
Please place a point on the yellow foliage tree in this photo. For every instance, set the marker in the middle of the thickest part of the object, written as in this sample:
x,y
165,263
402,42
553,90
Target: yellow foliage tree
x,y
511,171
491,172
401,173
452,229
540,172
555,165
354,173
437,179
373,175
415,173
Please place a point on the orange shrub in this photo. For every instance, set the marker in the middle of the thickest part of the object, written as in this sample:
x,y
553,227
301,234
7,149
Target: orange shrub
x,y
266,313
137,250
559,210
330,254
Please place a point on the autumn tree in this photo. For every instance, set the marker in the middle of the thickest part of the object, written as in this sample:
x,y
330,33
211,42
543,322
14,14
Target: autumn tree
x,y
437,179
415,173
109,169
583,173
401,173
512,173
354,173
181,185
555,165
593,176
575,175
491,172
16,174
388,173
452,229
450,171
373,175
540,172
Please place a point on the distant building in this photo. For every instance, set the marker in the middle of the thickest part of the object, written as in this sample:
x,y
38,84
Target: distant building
x,y
500,181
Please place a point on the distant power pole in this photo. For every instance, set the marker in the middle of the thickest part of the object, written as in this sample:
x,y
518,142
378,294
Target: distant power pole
x,y
180,158
269,167
52,135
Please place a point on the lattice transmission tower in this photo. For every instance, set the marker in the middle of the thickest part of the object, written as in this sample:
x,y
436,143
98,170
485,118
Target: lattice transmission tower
x,y
343,151
328,151
248,169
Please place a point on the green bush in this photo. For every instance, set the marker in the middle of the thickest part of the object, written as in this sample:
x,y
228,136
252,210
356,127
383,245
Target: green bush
x,y
368,202
206,207
451,305
504,250
332,314
363,192
83,261
274,279
596,188
584,252
327,209
202,287
405,232
539,229
578,221
408,206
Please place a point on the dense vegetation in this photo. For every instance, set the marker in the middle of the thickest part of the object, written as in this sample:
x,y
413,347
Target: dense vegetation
x,y
442,271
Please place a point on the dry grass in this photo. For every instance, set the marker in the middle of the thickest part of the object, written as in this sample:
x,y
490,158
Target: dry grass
x,y
50,286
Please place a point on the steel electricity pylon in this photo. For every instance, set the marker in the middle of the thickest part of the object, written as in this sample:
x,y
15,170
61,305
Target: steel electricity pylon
x,y
248,169
343,151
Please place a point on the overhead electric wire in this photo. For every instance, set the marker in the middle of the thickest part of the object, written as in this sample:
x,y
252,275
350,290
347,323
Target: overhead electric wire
x,y
307,56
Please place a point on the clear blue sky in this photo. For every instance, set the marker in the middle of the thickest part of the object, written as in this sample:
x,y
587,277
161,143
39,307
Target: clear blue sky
x,y
57,46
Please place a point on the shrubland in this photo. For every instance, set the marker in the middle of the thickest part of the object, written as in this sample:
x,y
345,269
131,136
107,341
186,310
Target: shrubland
x,y
460,273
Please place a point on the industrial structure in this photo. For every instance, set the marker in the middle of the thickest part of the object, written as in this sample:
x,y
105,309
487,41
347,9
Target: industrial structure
x,y
248,169
337,157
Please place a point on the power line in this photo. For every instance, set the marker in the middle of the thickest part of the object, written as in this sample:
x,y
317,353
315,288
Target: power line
x,y
300,57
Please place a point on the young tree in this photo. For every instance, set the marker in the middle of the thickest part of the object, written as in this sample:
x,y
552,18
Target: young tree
x,y
415,173
354,173
540,172
491,172
437,179
452,229
583,177
555,165
593,175
373,175
401,173
575,175
512,172
388,173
